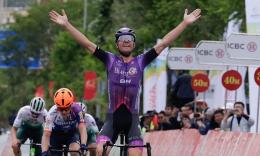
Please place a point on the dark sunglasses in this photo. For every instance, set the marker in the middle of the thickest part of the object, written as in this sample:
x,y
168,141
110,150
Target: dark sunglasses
x,y
35,114
126,38
63,109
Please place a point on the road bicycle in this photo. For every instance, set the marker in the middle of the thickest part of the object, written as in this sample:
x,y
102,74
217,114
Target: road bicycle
x,y
124,147
65,150
32,147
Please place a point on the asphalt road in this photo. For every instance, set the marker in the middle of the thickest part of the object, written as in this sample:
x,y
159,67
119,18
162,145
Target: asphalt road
x,y
5,146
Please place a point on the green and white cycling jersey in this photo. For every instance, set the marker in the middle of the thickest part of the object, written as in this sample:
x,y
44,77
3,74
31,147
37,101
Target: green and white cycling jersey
x,y
90,121
26,118
92,128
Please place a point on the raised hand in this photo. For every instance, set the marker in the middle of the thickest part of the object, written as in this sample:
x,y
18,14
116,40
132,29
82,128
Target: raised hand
x,y
59,19
192,17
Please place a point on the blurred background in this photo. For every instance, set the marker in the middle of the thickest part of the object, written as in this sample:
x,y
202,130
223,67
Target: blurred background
x,y
37,57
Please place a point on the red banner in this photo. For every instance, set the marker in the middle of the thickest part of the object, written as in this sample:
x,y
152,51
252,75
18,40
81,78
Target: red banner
x,y
39,91
90,85
51,85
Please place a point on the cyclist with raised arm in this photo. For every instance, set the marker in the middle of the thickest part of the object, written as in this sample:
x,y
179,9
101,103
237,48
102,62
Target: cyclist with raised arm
x,y
65,125
125,74
92,130
30,118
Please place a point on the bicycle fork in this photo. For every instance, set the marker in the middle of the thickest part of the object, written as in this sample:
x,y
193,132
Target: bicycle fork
x,y
123,149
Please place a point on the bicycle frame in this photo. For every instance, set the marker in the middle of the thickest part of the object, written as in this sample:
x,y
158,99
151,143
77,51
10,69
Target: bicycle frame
x,y
123,147
65,150
32,147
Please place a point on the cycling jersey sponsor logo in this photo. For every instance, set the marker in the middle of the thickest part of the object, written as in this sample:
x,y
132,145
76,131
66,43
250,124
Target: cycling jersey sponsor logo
x,y
119,63
132,71
127,81
122,72
66,123
116,70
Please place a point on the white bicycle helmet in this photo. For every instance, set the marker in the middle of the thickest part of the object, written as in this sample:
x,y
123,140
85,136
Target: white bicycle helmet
x,y
83,106
37,105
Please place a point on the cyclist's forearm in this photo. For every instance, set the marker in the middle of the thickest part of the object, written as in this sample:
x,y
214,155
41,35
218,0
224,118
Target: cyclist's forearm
x,y
80,38
83,132
170,37
13,133
45,141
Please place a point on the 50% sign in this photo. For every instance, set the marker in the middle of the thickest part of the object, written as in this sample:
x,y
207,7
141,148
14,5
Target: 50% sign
x,y
200,82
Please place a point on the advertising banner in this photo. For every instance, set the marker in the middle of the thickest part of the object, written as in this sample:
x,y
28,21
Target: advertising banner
x,y
214,53
90,85
184,59
155,84
243,46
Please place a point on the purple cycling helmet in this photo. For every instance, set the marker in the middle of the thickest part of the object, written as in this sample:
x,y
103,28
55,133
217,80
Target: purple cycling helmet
x,y
124,31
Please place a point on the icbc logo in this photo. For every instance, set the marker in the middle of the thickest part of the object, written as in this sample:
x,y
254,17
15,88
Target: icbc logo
x,y
251,46
188,59
219,53
235,46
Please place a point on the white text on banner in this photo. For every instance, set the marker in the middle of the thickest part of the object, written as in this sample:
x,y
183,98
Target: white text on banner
x,y
243,46
214,53
184,59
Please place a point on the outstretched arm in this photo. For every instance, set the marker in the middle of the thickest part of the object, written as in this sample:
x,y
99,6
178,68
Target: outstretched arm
x,y
63,21
174,33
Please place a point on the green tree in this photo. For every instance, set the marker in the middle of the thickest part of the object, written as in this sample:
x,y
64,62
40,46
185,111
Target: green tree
x,y
39,35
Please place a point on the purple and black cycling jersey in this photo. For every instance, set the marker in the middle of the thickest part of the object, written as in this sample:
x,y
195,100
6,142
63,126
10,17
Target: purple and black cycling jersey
x,y
124,79
56,123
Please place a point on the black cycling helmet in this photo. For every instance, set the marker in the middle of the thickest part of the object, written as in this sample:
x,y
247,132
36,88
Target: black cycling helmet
x,y
124,31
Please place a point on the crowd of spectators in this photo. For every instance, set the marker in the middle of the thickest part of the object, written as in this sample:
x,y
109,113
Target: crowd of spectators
x,y
197,115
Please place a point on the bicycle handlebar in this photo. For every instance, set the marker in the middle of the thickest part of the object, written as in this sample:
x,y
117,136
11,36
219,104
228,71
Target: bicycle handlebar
x,y
36,144
66,149
147,145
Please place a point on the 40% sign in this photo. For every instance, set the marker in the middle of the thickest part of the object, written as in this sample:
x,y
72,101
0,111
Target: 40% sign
x,y
231,80
200,82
